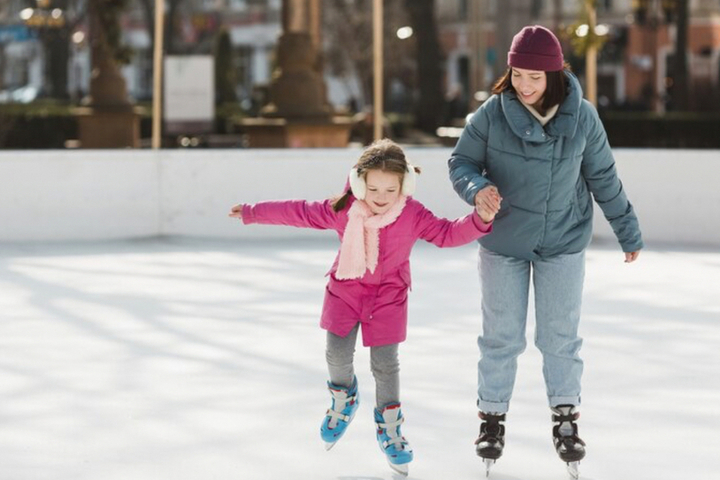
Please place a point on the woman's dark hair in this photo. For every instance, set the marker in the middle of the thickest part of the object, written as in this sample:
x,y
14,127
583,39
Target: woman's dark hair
x,y
384,155
555,93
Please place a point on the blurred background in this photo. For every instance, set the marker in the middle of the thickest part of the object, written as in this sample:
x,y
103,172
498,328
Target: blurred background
x,y
140,325
238,71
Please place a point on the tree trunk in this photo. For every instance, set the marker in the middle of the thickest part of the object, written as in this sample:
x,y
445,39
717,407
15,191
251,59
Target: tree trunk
x,y
680,64
57,56
56,45
225,80
429,105
107,85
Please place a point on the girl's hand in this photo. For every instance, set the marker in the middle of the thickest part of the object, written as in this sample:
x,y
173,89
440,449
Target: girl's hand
x,y
485,216
236,211
631,256
487,203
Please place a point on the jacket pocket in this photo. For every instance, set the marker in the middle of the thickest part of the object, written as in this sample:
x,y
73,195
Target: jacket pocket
x,y
582,203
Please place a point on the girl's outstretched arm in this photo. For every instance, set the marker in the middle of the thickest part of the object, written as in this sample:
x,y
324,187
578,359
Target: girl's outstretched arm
x,y
450,233
295,213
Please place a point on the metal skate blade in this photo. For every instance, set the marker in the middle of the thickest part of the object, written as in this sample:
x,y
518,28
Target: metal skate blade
x,y
572,468
489,462
402,469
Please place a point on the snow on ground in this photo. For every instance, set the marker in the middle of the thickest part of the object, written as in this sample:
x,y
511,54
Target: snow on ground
x,y
195,359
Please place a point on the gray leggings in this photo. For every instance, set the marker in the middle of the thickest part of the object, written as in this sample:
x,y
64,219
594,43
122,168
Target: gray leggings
x,y
383,363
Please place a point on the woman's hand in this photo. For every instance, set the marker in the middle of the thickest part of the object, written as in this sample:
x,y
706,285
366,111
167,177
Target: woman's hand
x,y
487,203
236,211
631,256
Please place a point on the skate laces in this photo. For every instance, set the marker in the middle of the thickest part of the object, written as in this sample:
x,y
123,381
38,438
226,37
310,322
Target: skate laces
x,y
340,401
391,429
566,430
391,425
490,428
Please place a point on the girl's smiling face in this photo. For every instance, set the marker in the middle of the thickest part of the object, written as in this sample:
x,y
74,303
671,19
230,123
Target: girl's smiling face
x,y
383,190
530,85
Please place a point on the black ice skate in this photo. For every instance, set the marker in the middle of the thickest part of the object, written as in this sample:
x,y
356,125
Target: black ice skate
x,y
569,446
491,441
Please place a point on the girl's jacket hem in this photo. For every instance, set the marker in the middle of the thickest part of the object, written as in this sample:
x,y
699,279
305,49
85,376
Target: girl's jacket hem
x,y
546,176
377,300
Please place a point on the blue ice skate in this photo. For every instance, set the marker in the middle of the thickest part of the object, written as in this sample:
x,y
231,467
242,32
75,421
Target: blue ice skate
x,y
345,402
392,443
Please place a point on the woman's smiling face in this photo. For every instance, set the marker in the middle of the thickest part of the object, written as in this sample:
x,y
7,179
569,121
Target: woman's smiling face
x,y
530,85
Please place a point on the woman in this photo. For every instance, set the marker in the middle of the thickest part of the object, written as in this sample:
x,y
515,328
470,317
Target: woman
x,y
537,150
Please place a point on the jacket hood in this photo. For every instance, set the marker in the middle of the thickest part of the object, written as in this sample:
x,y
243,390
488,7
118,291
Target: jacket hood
x,y
525,126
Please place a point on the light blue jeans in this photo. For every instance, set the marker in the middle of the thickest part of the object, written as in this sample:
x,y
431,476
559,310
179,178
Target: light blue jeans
x,y
505,284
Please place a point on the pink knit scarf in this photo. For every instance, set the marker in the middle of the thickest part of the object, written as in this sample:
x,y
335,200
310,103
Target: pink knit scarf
x,y
360,244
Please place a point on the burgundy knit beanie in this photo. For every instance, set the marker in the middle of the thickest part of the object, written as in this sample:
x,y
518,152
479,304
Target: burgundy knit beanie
x,y
536,48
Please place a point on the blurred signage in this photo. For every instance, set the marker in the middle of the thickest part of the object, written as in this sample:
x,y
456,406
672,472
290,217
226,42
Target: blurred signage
x,y
16,33
189,85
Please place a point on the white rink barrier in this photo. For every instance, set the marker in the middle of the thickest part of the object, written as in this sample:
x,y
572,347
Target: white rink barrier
x,y
69,195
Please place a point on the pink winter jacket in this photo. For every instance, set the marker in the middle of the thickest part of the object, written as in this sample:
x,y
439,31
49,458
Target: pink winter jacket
x,y
377,300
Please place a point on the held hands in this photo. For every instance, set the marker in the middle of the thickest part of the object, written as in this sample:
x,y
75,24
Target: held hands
x,y
236,212
487,203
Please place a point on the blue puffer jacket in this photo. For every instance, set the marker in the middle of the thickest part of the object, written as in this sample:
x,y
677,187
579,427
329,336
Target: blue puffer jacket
x,y
545,176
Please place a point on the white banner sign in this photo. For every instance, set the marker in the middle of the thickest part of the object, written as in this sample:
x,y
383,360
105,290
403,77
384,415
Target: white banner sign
x,y
189,93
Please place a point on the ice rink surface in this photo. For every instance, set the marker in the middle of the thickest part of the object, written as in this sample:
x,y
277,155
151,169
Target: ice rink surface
x,y
180,359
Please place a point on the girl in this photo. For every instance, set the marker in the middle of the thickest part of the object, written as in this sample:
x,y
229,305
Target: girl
x,y
540,145
378,222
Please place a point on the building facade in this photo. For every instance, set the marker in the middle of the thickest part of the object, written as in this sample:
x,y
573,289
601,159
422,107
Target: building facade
x,y
635,66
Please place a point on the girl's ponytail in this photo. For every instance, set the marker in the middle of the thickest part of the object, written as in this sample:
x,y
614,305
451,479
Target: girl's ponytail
x,y
339,203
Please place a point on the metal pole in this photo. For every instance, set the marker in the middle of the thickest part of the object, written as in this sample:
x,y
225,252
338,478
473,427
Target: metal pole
x,y
315,22
377,69
591,56
157,73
